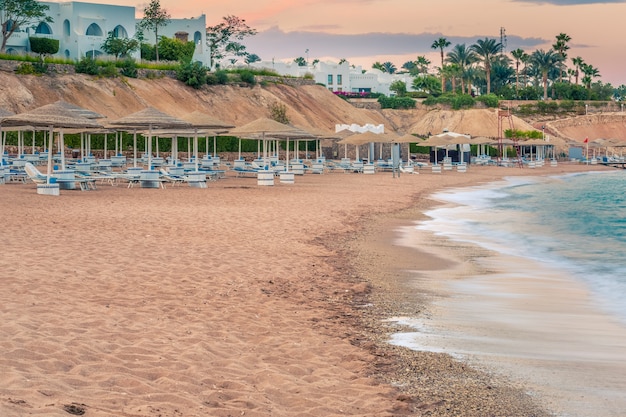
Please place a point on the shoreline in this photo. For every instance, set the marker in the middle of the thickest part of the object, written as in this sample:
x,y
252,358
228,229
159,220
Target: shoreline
x,y
463,315
231,299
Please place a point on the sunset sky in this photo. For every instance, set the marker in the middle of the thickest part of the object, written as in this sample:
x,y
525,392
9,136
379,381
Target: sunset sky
x,y
365,31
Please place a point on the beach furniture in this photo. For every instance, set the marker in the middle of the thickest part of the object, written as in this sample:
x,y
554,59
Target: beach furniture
x,y
41,179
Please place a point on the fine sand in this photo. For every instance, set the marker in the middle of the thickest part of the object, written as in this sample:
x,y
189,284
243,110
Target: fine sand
x,y
229,301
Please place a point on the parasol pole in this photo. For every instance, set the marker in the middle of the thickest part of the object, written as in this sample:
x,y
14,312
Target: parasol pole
x,y
33,141
150,147
214,146
195,149
287,157
50,147
106,139
134,148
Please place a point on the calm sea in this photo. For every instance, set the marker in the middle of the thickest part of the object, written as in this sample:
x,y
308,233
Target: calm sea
x,y
575,223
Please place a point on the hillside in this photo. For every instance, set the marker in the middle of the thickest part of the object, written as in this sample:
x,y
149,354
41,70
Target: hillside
x,y
307,106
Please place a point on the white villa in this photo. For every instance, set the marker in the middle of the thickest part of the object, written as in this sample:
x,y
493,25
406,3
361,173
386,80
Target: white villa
x,y
340,77
82,28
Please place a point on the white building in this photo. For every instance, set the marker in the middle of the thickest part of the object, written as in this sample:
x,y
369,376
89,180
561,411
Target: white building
x,y
82,28
340,77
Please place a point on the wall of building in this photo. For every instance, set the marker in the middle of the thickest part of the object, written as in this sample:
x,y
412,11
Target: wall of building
x,y
82,28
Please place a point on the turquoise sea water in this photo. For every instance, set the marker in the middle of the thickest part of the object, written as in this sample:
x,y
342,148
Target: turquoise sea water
x,y
574,223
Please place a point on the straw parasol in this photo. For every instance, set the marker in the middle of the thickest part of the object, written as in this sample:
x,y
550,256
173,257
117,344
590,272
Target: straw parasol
x,y
3,113
150,118
51,116
262,126
201,120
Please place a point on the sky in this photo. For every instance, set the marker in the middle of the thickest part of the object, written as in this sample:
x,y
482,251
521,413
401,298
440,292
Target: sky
x,y
366,31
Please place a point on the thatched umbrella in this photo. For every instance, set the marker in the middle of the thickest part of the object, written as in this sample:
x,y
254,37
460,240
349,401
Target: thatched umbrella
x,y
51,116
148,118
367,137
201,120
297,134
3,114
262,126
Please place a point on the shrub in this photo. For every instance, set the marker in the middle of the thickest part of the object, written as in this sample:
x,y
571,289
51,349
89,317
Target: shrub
x,y
192,74
396,102
490,100
462,101
87,65
25,68
44,46
128,68
247,77
108,70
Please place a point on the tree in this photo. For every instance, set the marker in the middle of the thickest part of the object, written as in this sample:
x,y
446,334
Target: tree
x,y
301,61
119,47
462,57
229,32
251,58
487,49
578,62
428,84
235,51
560,46
440,44
544,61
398,87
16,13
154,16
517,54
389,67
422,64
590,73
377,65
176,50
44,46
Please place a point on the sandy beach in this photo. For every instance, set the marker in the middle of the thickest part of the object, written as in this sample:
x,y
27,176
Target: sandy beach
x,y
232,300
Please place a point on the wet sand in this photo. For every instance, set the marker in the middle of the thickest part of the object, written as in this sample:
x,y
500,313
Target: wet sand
x,y
232,300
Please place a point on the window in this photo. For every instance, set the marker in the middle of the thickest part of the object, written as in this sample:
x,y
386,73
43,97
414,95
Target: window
x,y
120,32
44,29
339,79
330,79
93,30
66,27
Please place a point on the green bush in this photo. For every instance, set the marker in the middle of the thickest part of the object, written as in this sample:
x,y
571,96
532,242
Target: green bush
x,y
247,76
108,70
396,102
25,68
462,101
192,74
128,68
490,100
87,65
44,46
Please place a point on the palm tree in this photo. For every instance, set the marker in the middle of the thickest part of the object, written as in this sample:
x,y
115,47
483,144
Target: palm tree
x,y
578,62
590,73
487,49
544,61
389,67
561,46
440,44
517,54
463,58
452,72
427,83
377,65
422,64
